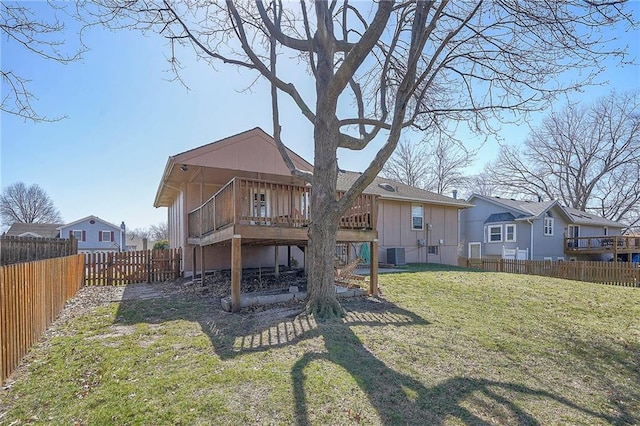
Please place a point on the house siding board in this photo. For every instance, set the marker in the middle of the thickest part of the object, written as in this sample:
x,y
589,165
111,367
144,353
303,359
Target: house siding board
x,y
395,231
549,245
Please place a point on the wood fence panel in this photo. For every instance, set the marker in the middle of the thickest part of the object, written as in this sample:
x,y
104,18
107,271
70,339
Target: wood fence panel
x,y
132,267
612,273
29,249
32,295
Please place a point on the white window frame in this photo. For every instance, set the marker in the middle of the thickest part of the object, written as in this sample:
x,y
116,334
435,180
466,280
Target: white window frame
x,y
107,239
489,234
506,233
417,208
548,225
479,249
79,231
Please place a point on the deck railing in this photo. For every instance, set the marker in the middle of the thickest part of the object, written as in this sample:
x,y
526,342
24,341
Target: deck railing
x,y
607,243
264,203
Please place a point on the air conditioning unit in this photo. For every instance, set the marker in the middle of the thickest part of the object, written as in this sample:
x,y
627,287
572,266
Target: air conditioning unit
x,y
396,256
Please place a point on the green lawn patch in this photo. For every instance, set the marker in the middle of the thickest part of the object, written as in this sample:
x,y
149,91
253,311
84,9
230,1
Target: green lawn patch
x,y
444,347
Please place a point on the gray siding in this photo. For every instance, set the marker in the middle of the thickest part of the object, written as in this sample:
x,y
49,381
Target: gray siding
x,y
92,241
549,246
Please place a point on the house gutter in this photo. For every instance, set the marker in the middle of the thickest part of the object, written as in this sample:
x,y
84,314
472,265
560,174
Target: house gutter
x,y
531,245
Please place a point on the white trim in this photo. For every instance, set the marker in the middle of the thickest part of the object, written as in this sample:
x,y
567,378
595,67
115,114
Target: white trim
x,y
551,222
421,216
102,239
489,234
506,232
73,232
479,249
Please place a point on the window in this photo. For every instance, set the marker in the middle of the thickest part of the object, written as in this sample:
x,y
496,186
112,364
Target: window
x,y
510,233
548,226
77,234
495,234
417,217
432,249
475,250
105,236
605,231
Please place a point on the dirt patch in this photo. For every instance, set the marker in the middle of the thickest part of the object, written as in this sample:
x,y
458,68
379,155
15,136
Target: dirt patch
x,y
218,283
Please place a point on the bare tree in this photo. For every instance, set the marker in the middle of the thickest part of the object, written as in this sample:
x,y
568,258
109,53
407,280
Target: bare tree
x,y
159,232
27,204
408,165
19,24
138,233
588,157
481,184
448,159
437,164
419,63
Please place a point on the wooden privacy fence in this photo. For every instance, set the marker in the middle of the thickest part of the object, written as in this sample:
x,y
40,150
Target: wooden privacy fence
x,y
132,267
625,274
28,249
32,295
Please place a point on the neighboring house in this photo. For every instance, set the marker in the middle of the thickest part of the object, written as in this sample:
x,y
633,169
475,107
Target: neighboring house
x,y
135,243
95,235
543,230
423,225
34,230
238,192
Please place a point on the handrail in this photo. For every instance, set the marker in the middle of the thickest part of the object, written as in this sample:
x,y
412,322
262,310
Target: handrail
x,y
270,203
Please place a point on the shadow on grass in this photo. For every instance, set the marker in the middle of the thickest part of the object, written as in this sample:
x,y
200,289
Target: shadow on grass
x,y
397,398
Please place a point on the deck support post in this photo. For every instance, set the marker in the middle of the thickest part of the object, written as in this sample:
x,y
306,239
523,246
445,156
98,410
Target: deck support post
x,y
201,266
236,271
348,252
277,260
373,269
193,263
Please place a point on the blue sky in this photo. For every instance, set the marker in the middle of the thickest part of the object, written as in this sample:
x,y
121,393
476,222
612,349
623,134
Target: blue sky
x,y
125,118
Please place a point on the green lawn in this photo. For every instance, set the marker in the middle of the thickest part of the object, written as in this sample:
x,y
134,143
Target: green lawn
x,y
443,347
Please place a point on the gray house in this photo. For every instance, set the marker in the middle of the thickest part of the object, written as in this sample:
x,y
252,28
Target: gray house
x,y
95,235
544,230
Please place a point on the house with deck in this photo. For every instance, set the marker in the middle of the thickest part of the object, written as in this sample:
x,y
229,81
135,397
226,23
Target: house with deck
x,y
234,204
540,230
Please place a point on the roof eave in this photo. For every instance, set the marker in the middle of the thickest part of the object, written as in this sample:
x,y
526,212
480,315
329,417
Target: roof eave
x,y
462,205
165,176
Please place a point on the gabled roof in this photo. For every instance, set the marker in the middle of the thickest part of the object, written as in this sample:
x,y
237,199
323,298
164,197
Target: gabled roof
x,y
43,230
392,190
534,210
87,219
230,154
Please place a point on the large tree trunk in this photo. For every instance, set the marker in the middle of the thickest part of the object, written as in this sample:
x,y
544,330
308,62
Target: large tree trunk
x,y
323,229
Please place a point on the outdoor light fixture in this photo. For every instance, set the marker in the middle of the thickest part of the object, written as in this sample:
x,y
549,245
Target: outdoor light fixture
x,y
184,168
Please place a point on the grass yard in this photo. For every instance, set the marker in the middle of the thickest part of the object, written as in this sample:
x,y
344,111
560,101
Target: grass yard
x,y
444,347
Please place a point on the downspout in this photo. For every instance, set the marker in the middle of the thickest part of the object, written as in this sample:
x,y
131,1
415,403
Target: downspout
x,y
531,245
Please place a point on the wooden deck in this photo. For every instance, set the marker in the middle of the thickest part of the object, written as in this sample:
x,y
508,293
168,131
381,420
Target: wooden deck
x,y
271,213
614,244
255,212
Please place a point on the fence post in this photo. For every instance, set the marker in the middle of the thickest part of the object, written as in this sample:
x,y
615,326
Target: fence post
x,y
149,262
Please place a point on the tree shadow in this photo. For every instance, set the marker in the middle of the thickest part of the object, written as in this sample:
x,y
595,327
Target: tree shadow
x,y
397,397
400,399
